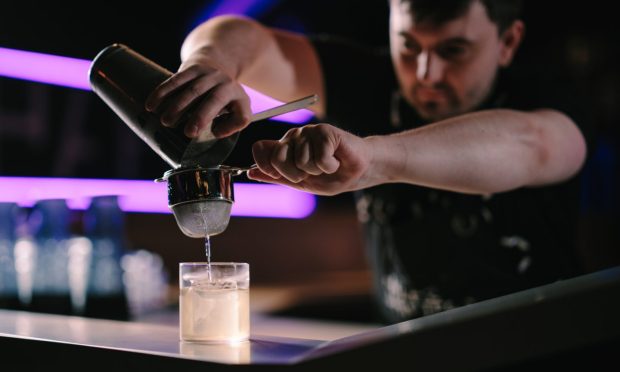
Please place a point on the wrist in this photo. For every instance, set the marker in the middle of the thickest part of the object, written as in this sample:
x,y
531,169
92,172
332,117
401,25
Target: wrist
x,y
386,160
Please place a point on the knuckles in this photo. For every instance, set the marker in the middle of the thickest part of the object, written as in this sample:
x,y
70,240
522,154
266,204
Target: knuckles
x,y
244,118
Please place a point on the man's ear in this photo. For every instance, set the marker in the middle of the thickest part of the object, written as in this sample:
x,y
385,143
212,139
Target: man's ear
x,y
511,39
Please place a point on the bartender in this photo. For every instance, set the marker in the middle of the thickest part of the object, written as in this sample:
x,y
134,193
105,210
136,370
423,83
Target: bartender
x,y
464,175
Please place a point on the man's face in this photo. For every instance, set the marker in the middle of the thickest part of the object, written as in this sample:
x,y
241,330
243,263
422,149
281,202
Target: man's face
x,y
447,69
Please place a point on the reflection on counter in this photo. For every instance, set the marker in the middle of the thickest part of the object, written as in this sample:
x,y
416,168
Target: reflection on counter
x,y
229,353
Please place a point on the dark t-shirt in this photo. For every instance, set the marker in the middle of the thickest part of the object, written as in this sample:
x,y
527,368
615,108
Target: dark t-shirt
x,y
432,250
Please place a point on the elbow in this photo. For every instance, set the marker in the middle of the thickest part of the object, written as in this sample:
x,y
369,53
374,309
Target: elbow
x,y
558,147
213,29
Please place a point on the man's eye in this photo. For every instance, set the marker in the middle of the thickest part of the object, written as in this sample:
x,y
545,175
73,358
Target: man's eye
x,y
410,47
452,51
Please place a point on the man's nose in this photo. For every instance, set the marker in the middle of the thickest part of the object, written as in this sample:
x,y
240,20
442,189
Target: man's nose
x,y
430,68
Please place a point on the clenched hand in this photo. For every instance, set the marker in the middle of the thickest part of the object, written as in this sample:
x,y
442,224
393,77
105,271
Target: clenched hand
x,y
321,159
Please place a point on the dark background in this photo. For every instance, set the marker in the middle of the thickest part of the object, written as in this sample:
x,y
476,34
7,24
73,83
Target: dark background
x,y
54,131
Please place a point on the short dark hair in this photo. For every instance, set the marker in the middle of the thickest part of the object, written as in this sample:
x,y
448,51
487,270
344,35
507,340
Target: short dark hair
x,y
501,12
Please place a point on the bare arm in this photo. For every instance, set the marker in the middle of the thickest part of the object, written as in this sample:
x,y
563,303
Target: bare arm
x,y
488,151
484,152
278,63
225,52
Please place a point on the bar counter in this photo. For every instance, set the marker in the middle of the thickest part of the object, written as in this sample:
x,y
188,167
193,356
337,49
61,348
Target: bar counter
x,y
570,323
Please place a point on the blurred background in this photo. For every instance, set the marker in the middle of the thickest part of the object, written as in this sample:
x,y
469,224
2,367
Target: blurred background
x,y
55,131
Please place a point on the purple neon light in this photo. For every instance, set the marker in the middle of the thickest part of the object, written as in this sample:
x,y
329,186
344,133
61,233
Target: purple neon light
x,y
73,73
246,7
44,68
251,200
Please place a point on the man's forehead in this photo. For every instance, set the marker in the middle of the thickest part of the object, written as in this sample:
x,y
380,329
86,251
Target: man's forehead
x,y
473,22
434,11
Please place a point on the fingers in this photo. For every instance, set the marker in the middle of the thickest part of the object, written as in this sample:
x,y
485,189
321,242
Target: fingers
x,y
198,95
324,149
238,118
283,160
171,84
301,153
184,98
258,175
304,157
229,98
314,149
210,106
262,151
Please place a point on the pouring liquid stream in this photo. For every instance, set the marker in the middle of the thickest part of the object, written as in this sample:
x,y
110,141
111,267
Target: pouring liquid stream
x,y
208,253
207,242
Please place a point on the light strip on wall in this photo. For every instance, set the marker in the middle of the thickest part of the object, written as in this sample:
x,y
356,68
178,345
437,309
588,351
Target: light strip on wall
x,y
73,73
44,68
251,8
251,200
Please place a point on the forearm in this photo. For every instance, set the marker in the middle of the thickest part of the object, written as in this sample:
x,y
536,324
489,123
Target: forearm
x,y
484,152
278,63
